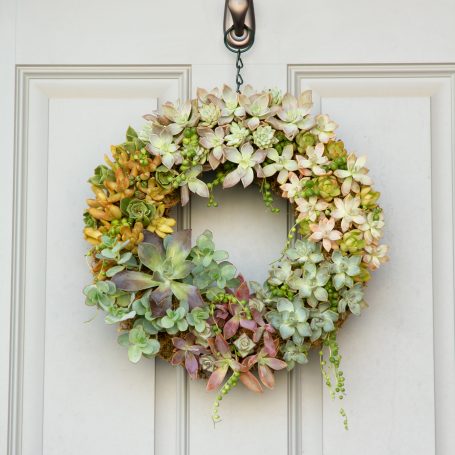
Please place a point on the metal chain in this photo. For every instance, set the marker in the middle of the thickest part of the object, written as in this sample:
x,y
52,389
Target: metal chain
x,y
239,66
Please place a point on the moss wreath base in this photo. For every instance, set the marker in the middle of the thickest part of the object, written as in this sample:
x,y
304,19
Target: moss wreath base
x,y
187,303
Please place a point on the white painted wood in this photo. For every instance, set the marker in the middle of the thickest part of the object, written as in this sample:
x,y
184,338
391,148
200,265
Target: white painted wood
x,y
70,377
411,296
175,32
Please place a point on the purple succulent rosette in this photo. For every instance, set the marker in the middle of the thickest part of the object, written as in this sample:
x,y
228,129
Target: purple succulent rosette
x,y
184,301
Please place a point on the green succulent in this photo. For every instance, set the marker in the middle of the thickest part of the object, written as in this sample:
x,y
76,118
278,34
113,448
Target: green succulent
x,y
101,174
322,321
305,251
138,210
113,251
335,150
276,96
328,187
264,137
295,353
368,197
344,267
167,260
165,177
174,321
139,343
304,227
244,345
133,142
197,317
309,281
304,140
89,221
351,298
280,272
146,318
208,271
237,136
210,113
352,241
117,313
204,253
290,319
102,293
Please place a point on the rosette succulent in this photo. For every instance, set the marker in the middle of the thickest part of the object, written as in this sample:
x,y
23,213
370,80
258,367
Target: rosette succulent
x,y
264,137
237,135
167,260
246,159
344,268
281,164
290,319
174,321
309,281
138,344
138,210
351,298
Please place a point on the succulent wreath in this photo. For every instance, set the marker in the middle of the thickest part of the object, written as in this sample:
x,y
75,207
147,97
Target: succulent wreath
x,y
186,303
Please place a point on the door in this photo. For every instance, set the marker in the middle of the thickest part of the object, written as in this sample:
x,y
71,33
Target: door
x,y
74,75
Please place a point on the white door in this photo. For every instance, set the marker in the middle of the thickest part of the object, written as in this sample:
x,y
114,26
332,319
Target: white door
x,y
73,75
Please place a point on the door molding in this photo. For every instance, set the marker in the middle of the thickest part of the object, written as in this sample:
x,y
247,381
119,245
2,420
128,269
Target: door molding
x,y
46,82
437,82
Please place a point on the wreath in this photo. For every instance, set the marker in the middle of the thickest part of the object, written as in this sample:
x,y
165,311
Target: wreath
x,y
186,303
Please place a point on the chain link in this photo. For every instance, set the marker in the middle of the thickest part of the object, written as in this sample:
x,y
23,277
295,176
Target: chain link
x,y
239,66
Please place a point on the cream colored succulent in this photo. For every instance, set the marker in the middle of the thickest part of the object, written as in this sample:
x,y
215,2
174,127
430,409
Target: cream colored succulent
x,y
247,159
355,173
264,137
372,228
324,231
282,163
210,113
324,128
376,255
292,188
293,115
180,116
213,140
310,208
231,107
163,144
237,135
312,162
257,106
348,211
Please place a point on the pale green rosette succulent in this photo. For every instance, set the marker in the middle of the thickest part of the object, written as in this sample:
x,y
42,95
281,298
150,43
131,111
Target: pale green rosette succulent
x,y
351,298
237,135
138,210
264,137
174,321
310,281
295,353
197,317
344,268
322,321
352,242
138,344
210,113
305,251
244,345
290,319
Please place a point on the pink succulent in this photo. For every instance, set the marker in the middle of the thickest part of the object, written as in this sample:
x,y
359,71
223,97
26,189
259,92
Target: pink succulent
x,y
310,208
348,211
325,231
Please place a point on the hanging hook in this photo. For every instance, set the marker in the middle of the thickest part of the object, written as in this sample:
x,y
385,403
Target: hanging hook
x,y
239,25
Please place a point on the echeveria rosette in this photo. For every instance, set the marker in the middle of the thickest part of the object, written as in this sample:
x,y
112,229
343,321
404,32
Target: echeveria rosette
x,y
246,159
281,164
139,343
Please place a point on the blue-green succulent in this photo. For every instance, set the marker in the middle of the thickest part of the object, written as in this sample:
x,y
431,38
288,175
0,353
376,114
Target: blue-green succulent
x,y
309,281
351,298
344,268
139,343
174,321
